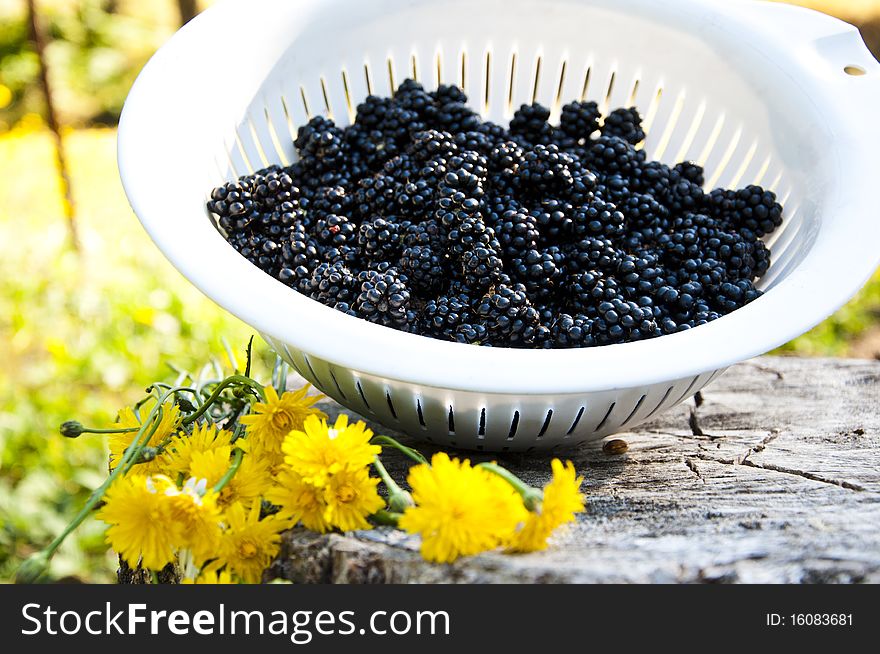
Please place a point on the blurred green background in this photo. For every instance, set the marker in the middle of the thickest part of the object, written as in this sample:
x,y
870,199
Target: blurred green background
x,y
82,334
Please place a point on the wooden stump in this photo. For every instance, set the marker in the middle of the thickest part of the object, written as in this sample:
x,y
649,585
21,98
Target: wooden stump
x,y
771,475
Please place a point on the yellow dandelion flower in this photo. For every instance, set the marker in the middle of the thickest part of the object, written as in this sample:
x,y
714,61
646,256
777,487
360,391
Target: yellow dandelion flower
x,y
343,502
249,544
460,510
248,483
142,522
211,577
204,438
195,508
273,419
349,497
299,501
562,499
119,442
320,451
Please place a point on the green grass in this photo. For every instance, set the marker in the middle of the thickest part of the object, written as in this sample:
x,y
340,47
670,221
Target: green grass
x,y
81,336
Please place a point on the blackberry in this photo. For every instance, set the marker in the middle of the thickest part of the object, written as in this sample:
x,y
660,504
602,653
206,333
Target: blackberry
x,y
475,141
572,331
579,120
752,208
472,334
429,233
454,208
328,200
517,232
425,268
691,172
384,298
448,93
371,112
494,132
544,169
443,317
461,181
653,178
598,218
453,116
594,253
508,316
376,196
299,249
335,230
505,157
613,155
530,123
554,220
332,284
579,289
431,143
322,143
414,199
626,124
412,96
471,233
379,239
480,267
346,254
613,188
540,272
682,196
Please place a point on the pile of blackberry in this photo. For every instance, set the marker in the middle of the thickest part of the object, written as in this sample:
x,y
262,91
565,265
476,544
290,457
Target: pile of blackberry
x,y
422,217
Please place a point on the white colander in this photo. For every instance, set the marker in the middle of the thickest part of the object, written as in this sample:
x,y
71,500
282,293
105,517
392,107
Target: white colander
x,y
758,93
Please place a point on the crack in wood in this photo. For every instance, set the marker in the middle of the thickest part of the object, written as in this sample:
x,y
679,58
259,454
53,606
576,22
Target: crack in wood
x,y
760,447
767,369
694,469
781,469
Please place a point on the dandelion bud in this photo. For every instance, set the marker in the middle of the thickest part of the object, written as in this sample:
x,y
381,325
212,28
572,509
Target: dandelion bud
x,y
34,567
399,502
71,429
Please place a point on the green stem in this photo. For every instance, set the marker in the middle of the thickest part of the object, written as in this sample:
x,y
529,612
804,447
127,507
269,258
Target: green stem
x,y
415,455
398,499
89,430
229,381
236,464
383,517
531,496
145,433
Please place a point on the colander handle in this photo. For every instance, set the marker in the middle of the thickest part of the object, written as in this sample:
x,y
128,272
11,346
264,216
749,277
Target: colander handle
x,y
836,45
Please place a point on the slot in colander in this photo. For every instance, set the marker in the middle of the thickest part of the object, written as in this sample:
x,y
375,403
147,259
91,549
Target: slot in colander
x,y
756,92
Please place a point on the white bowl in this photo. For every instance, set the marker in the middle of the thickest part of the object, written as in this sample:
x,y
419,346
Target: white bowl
x,y
759,93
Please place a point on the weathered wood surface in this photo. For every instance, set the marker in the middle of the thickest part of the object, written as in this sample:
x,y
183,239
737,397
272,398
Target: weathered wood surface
x,y
772,475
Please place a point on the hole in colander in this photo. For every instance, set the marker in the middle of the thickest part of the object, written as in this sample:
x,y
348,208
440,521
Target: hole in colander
x,y
363,397
854,70
577,419
338,387
513,425
546,423
391,83
419,411
390,405
451,420
633,412
482,430
605,419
